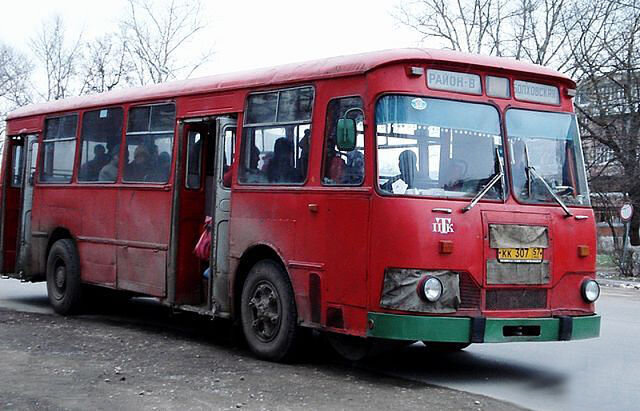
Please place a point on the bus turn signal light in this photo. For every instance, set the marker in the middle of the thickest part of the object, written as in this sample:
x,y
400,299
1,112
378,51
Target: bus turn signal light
x,y
446,246
583,251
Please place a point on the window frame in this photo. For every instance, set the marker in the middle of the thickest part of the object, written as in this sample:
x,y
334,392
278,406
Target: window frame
x,y
482,100
246,126
324,144
46,140
124,145
81,142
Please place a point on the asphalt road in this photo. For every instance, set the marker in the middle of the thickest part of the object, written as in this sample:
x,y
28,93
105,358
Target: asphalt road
x,y
598,374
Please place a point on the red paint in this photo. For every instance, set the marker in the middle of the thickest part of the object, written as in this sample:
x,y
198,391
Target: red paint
x,y
340,239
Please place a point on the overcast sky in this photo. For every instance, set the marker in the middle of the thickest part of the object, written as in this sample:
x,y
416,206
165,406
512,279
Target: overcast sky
x,y
245,34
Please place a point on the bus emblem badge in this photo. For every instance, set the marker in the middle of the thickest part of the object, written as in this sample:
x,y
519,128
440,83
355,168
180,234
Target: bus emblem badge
x,y
443,225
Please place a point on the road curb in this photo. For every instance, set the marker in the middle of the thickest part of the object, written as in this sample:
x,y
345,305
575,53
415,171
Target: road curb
x,y
628,284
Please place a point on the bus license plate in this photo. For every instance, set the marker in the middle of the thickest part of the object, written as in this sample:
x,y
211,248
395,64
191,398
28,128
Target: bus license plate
x,y
520,255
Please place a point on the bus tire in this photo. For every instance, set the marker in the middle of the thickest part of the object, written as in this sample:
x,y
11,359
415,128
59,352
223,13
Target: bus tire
x,y
268,312
64,286
445,347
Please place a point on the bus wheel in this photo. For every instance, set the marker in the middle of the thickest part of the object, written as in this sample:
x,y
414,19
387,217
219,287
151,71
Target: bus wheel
x,y
445,346
268,312
63,277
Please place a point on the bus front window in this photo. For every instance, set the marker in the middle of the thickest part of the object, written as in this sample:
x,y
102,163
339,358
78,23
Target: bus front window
x,y
549,144
438,148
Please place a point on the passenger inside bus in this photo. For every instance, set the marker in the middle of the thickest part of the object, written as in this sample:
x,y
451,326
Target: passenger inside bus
x,y
91,169
140,167
109,172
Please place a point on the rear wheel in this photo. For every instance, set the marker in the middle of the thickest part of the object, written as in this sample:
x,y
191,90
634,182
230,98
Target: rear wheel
x,y
268,312
445,346
63,277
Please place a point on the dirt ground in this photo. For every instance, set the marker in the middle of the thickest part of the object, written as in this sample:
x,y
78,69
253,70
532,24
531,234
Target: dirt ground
x,y
148,358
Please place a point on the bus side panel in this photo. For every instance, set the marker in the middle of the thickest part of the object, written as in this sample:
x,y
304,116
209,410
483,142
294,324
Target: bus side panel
x,y
264,218
96,240
143,226
11,212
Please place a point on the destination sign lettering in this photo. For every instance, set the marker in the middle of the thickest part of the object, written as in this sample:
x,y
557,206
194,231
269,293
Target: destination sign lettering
x,y
538,93
454,81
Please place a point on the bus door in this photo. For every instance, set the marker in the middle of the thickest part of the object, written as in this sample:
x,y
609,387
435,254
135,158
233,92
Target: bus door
x,y
29,168
219,260
205,192
11,192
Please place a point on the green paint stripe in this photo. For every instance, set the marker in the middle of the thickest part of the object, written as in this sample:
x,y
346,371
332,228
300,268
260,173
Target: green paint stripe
x,y
457,329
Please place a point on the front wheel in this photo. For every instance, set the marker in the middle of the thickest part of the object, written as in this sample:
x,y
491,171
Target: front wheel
x,y
64,286
268,312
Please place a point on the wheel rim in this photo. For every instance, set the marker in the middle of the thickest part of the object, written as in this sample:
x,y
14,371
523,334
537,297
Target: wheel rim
x,y
265,311
59,279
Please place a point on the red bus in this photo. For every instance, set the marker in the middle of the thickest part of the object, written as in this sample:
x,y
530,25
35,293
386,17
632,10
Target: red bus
x,y
412,195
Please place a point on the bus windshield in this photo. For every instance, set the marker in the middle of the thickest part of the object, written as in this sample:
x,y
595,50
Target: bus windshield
x,y
549,144
438,148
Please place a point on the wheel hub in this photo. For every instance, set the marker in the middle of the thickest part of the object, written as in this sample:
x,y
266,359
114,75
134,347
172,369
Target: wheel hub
x,y
265,311
60,277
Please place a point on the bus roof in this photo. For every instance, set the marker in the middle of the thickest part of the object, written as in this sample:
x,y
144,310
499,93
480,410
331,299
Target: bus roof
x,y
290,73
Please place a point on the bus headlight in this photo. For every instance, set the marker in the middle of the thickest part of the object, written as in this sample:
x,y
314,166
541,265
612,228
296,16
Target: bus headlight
x,y
590,290
430,289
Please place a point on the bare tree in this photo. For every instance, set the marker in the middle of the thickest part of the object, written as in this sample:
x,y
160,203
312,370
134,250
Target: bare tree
x,y
106,65
609,104
58,57
530,30
156,35
15,72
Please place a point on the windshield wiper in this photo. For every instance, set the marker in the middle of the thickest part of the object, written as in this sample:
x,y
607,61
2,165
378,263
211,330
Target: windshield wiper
x,y
498,176
531,171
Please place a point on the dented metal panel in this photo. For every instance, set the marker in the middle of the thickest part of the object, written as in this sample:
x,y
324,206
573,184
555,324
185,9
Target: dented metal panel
x,y
400,291
518,236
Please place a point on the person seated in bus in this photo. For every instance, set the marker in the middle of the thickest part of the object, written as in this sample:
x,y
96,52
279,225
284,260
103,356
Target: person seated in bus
x,y
161,169
303,162
279,168
140,167
334,163
354,172
91,169
407,163
110,171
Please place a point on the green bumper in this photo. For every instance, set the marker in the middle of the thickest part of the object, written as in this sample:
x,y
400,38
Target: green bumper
x,y
481,329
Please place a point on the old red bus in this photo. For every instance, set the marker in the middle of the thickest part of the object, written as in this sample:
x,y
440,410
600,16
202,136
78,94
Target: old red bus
x,y
414,195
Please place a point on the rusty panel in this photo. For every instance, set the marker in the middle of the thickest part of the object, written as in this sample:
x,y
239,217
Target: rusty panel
x,y
142,270
98,263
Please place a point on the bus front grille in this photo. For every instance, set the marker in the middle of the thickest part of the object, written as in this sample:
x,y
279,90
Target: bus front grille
x,y
514,299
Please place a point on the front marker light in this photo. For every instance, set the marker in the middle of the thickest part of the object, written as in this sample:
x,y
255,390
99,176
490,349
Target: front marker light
x,y
430,289
590,290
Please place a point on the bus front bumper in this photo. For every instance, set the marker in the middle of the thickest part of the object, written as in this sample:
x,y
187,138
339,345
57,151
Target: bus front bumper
x,y
482,329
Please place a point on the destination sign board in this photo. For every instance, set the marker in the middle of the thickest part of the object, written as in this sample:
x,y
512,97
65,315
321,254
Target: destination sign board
x,y
538,93
454,81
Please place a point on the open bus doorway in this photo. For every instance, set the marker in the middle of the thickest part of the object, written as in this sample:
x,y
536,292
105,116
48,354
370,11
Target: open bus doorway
x,y
209,150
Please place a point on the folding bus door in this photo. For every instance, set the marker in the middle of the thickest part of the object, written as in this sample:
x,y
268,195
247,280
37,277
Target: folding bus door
x,y
11,194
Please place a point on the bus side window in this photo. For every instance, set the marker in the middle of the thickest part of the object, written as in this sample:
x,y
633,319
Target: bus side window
x,y
17,159
276,137
194,160
343,168
149,142
59,147
229,152
99,152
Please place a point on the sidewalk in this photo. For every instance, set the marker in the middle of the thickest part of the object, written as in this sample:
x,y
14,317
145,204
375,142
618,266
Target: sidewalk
x,y
629,283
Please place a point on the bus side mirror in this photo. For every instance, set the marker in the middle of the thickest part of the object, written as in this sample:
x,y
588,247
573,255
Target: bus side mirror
x,y
346,134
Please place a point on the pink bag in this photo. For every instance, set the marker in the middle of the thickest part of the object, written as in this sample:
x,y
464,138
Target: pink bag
x,y
203,246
